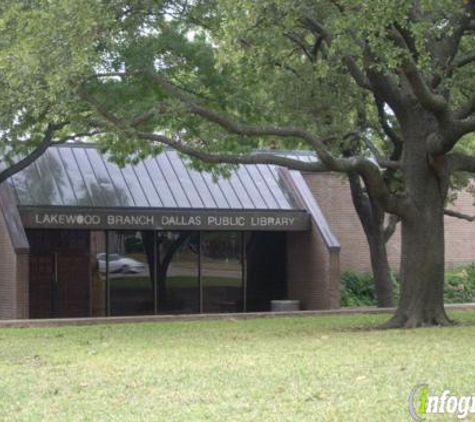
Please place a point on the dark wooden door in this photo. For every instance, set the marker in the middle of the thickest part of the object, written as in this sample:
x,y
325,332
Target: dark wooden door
x,y
41,285
71,292
60,274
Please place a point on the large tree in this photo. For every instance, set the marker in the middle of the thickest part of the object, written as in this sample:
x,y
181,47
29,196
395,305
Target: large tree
x,y
214,79
31,116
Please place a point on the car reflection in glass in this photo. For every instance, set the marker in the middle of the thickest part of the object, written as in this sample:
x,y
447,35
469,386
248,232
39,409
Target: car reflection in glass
x,y
120,264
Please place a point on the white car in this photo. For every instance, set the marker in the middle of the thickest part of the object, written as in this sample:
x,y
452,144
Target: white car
x,y
120,264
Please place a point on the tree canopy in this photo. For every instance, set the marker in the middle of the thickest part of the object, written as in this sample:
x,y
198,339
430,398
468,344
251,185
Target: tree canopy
x,y
215,79
324,67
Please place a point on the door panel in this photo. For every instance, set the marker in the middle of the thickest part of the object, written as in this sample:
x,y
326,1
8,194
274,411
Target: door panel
x,y
41,279
222,271
71,297
60,273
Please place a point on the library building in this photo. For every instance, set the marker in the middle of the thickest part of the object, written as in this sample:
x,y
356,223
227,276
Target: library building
x,y
83,237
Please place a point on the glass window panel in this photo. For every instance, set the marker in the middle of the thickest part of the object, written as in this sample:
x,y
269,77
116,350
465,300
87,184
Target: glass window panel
x,y
172,181
135,187
75,176
44,185
283,188
275,189
228,191
130,269
120,184
202,188
240,191
105,186
215,190
88,176
147,185
61,178
160,183
262,187
20,182
185,180
251,188
266,269
177,275
221,271
99,275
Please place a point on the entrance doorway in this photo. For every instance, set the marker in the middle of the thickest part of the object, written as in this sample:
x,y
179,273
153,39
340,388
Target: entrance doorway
x,y
59,273
81,273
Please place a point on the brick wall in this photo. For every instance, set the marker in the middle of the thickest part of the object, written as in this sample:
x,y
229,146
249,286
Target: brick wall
x,y
312,271
23,285
13,278
332,193
460,234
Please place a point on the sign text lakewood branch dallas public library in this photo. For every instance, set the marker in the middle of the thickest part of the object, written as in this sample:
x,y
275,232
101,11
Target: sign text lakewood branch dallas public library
x,y
78,218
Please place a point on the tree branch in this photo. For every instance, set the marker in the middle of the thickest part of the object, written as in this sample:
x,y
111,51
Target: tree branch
x,y
456,161
46,142
356,73
462,216
360,199
462,127
143,118
466,108
388,130
391,227
444,48
219,158
450,133
464,60
301,43
317,28
451,128
369,171
432,102
384,84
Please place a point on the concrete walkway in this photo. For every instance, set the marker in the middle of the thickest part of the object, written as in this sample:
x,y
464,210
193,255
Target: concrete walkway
x,y
24,323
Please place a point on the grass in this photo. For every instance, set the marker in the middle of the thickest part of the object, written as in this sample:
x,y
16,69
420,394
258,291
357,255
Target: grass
x,y
328,368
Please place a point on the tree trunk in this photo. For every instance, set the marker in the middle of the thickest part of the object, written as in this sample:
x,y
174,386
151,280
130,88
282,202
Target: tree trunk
x,y
422,272
371,217
381,272
422,250
163,264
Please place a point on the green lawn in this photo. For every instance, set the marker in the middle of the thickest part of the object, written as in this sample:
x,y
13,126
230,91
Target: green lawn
x,y
331,368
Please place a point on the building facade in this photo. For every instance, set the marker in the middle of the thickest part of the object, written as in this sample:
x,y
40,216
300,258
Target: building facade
x,y
332,193
81,237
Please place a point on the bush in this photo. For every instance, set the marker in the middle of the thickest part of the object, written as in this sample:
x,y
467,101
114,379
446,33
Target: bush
x,y
460,284
357,289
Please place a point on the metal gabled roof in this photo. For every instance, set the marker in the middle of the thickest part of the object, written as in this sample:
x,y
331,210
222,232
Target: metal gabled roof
x,y
79,175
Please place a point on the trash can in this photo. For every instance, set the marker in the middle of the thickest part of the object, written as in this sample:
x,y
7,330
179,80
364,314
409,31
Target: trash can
x,y
285,305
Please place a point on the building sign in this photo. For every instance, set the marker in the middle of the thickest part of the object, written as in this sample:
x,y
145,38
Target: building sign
x,y
77,218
